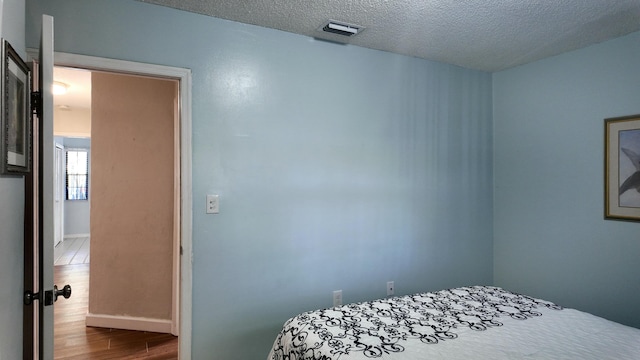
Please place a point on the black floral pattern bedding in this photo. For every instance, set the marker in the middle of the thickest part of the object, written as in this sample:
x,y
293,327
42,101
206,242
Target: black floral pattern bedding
x,y
378,328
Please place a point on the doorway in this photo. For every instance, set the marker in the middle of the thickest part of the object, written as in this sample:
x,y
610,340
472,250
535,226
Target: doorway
x,y
115,247
182,291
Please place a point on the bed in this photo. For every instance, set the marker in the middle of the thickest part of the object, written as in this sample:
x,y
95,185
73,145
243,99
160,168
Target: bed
x,y
475,322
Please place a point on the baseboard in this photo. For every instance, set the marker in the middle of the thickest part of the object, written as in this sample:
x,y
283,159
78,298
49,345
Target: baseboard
x,y
129,323
76,236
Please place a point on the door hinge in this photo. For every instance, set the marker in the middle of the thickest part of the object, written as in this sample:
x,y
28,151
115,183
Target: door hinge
x,y
36,103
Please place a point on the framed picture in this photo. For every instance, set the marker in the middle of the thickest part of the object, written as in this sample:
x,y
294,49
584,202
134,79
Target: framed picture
x,y
622,168
16,115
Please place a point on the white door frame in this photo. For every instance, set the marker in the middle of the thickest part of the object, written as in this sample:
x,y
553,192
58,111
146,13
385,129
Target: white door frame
x,y
58,194
185,248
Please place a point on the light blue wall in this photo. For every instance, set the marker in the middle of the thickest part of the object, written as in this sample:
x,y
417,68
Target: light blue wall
x,y
550,236
337,167
11,214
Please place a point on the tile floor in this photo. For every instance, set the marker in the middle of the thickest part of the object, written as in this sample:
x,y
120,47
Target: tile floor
x,y
72,251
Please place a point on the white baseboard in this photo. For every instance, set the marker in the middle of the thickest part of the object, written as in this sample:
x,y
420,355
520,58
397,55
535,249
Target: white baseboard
x,y
129,323
76,236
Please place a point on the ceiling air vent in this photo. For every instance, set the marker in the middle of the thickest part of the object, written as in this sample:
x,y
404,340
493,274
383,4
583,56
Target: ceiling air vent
x,y
341,28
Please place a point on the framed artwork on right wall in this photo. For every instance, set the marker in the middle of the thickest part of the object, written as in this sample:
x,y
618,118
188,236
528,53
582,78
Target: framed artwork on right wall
x,y
622,168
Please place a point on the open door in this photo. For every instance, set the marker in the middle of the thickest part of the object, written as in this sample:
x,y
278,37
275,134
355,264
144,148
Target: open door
x,y
45,293
46,191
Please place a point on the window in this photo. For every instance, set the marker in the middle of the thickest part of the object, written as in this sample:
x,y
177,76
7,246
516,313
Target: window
x,y
77,175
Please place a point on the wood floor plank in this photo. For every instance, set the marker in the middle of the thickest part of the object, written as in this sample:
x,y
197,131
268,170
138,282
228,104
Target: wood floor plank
x,y
75,341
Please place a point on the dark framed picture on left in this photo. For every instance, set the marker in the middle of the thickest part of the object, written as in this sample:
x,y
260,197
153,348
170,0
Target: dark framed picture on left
x,y
16,114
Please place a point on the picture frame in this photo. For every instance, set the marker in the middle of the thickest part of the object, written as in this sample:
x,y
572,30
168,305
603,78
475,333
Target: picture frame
x,y
622,168
15,129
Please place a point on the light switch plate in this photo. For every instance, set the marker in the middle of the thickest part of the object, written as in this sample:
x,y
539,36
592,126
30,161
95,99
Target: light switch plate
x,y
213,204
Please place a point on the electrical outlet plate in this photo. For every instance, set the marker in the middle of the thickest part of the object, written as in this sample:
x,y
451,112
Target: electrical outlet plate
x,y
337,298
391,289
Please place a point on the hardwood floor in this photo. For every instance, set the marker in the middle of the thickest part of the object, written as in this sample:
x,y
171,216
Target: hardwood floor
x,y
73,340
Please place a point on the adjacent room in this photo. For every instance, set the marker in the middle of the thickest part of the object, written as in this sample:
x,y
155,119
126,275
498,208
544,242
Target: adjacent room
x,y
104,184
457,156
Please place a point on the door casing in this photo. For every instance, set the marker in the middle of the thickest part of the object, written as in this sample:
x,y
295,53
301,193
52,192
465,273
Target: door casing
x,y
59,196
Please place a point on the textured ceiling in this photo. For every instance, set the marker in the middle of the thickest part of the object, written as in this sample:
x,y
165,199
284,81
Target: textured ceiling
x,y
487,35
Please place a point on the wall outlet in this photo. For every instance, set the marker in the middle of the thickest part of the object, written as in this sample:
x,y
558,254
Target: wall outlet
x,y
213,205
337,298
391,289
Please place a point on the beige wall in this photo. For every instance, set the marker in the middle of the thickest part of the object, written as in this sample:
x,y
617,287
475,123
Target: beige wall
x,y
132,196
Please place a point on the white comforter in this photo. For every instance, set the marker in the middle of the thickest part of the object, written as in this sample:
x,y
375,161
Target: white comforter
x,y
476,322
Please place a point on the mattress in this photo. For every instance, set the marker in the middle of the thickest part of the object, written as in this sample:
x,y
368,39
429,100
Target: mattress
x,y
476,322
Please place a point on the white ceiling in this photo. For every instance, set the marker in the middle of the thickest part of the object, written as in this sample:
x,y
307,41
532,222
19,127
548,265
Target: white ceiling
x,y
488,35
78,83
